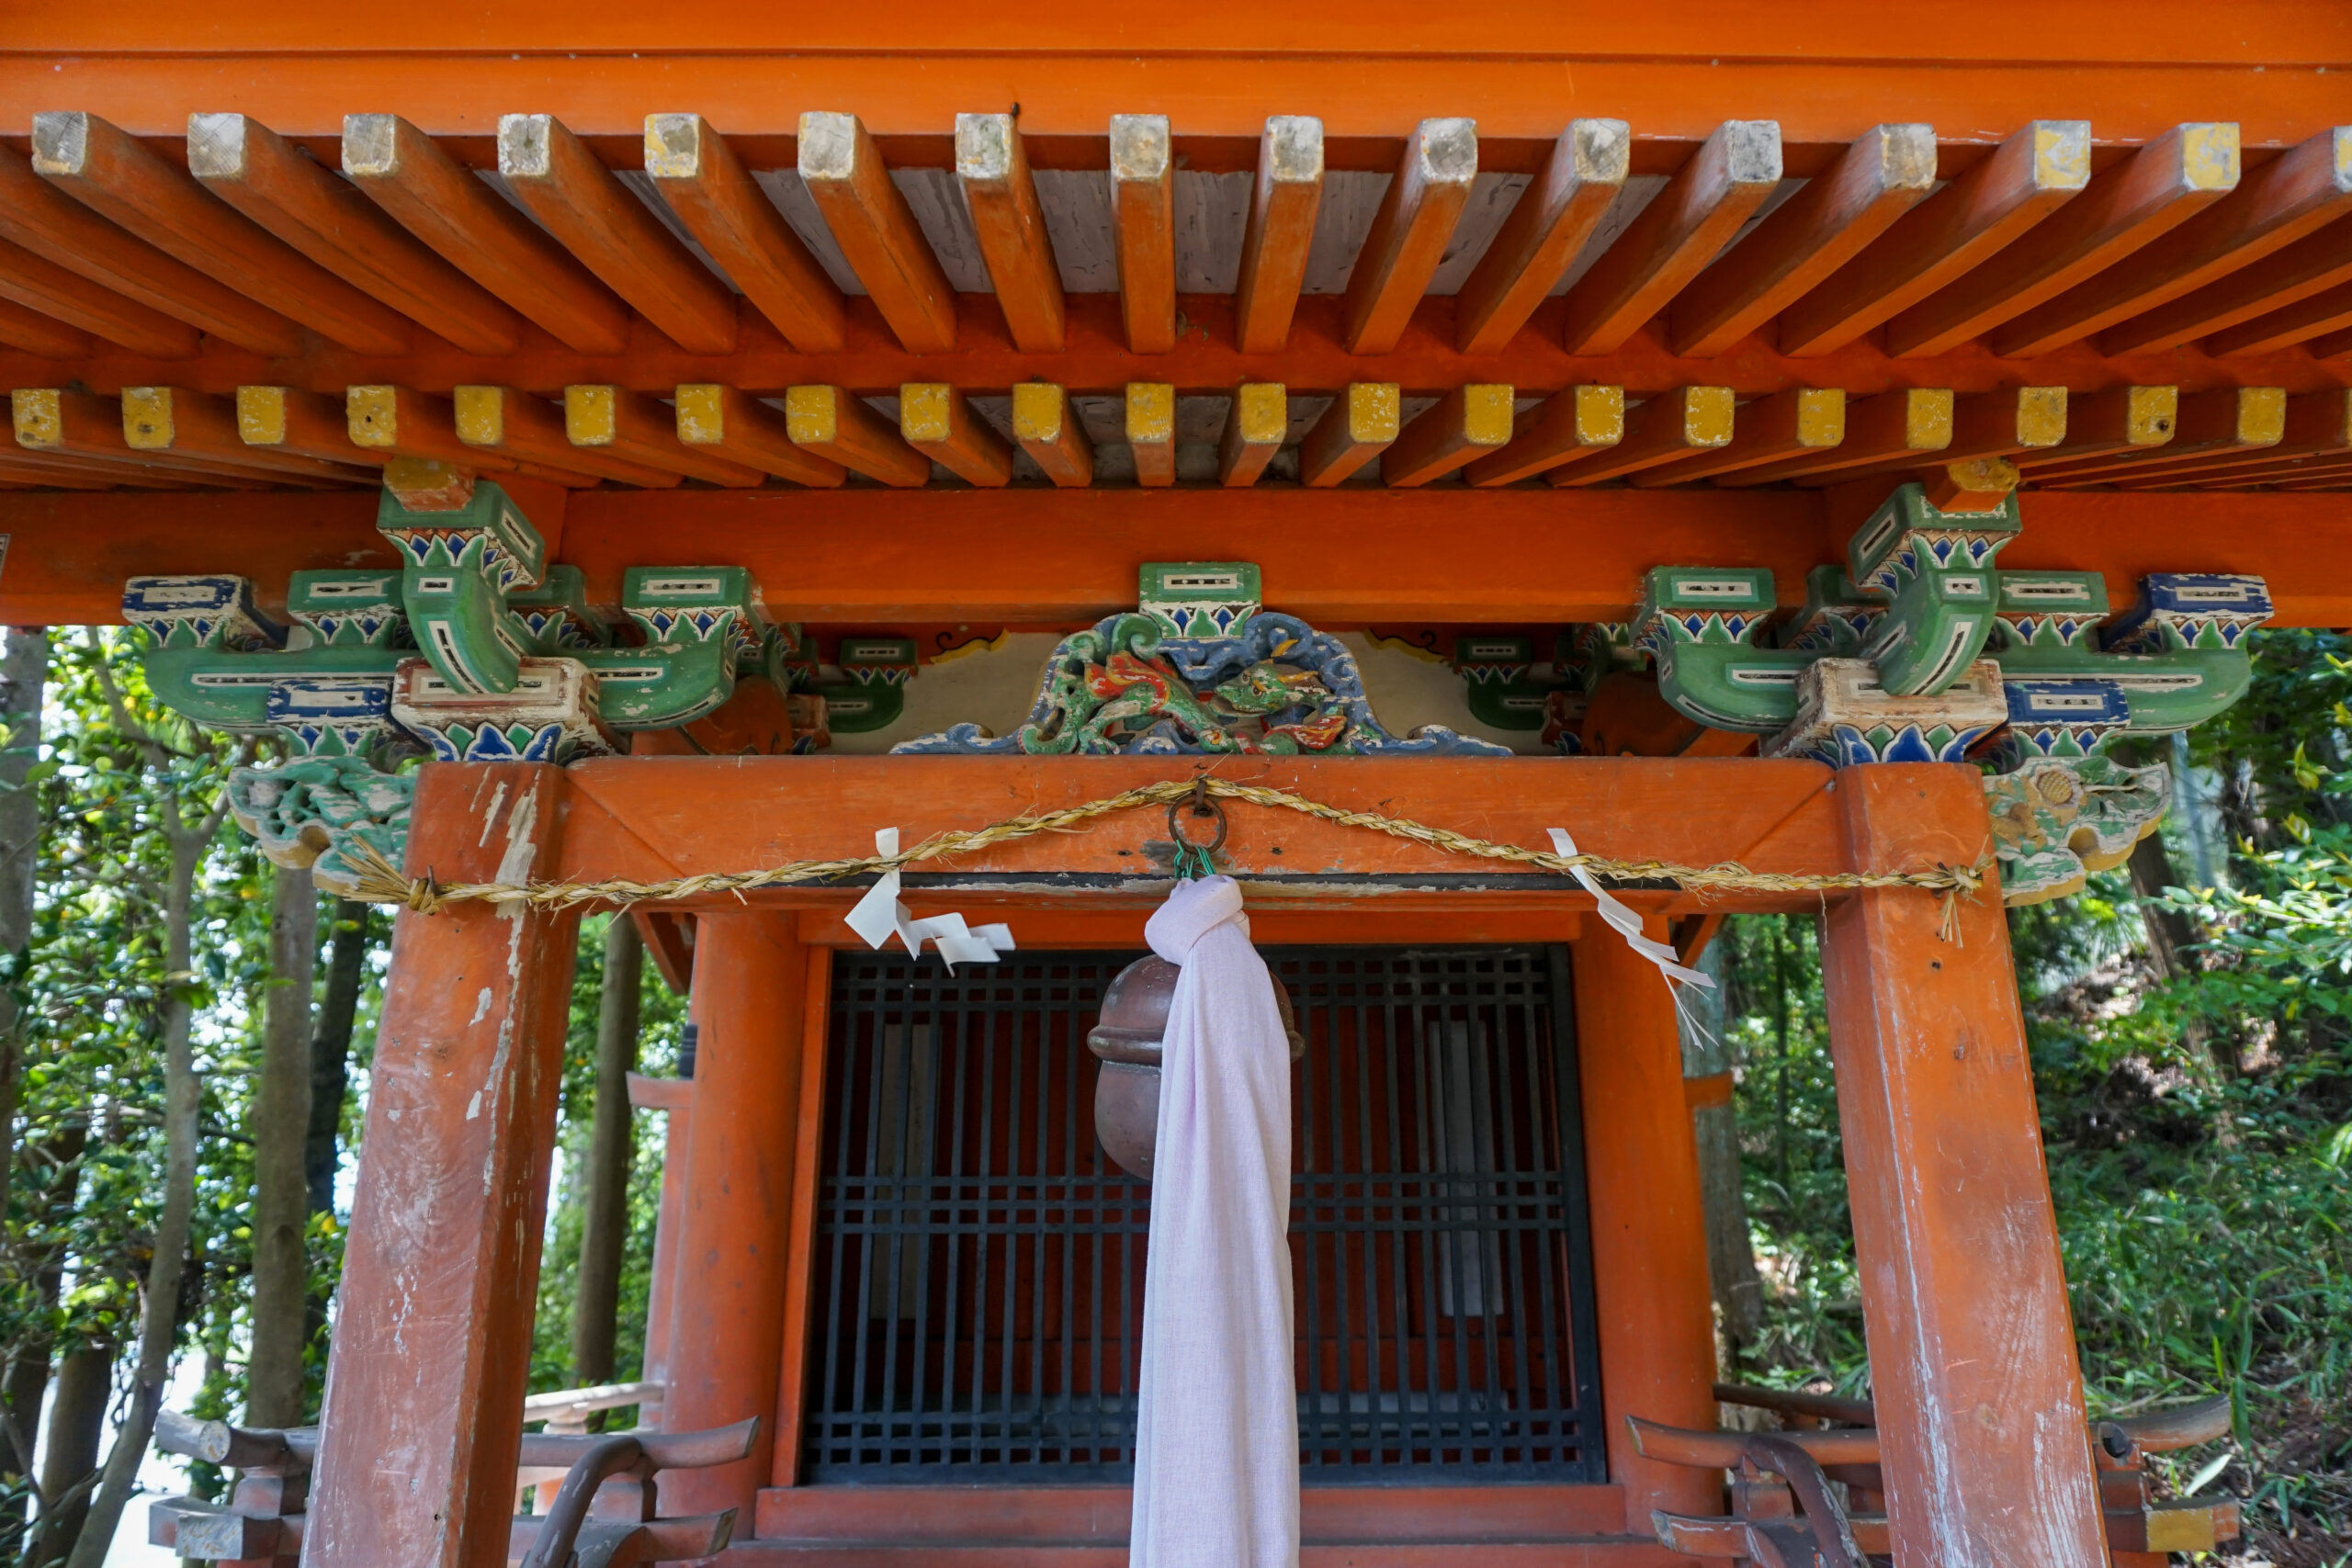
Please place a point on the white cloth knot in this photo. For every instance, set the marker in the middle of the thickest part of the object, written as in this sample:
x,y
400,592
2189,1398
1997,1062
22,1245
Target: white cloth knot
x,y
1194,909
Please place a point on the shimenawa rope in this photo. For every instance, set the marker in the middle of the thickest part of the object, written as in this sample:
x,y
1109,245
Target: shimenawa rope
x,y
380,882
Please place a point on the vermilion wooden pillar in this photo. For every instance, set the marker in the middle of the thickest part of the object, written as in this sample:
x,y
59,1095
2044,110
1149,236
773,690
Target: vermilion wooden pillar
x,y
424,1415
1649,1241
1980,1395
727,1320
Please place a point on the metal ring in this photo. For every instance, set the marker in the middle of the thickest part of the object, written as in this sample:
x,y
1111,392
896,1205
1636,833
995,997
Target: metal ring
x,y
1176,830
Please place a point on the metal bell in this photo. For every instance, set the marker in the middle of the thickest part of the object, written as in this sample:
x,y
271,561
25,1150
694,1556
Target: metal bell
x,y
1127,1040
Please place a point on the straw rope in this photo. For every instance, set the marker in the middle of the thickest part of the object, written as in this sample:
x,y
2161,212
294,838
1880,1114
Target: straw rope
x,y
380,882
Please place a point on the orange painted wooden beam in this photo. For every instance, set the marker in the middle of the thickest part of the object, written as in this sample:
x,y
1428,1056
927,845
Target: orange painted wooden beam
x,y
1521,70
653,816
1205,359
1001,194
123,180
74,305
1346,557
707,185
877,231
1581,175
1282,205
1143,206
1411,233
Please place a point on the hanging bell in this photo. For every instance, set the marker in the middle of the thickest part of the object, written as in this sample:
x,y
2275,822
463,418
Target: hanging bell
x,y
1127,1040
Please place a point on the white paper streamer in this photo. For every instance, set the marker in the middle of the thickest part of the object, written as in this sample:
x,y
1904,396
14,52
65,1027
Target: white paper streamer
x,y
1628,924
880,915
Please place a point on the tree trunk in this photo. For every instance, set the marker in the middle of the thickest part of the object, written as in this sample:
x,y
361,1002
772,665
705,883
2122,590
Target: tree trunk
x,y
24,668
77,1418
604,1231
330,1050
26,1387
2170,934
1731,1258
280,1124
160,1303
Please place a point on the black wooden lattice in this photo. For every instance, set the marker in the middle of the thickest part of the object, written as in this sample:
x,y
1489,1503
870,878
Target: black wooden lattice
x,y
978,1277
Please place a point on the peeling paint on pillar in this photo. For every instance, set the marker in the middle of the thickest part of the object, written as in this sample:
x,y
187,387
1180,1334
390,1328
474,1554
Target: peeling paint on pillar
x,y
423,1417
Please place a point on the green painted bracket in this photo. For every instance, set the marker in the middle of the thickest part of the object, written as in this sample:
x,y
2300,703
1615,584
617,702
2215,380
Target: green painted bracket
x,y
556,619
1702,625
1197,599
875,693
695,621
458,568
1935,573
1494,670
2181,658
1835,618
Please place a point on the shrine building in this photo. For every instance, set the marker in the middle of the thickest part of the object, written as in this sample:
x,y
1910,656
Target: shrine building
x,y
1816,456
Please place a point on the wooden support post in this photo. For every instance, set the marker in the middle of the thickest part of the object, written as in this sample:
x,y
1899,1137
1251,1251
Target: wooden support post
x,y
402,422
2291,297
1359,426
1465,424
1980,1401
594,216
1680,230
938,422
38,283
1786,424
255,170
1649,1240
1571,424
1409,234
1668,426
736,426
2237,420
724,208
808,1173
173,421
35,331
1151,431
876,231
1909,423
727,1333
1010,226
2272,207
1142,205
1255,428
47,221
2026,178
834,423
423,1423
635,427
408,175
2157,188
1049,430
1282,226
121,179
1877,180
2118,420
511,425
1548,225
306,425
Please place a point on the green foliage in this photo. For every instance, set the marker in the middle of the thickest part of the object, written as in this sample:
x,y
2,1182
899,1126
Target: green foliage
x,y
661,1025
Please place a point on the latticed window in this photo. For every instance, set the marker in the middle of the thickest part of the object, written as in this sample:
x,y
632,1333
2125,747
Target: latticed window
x,y
979,1267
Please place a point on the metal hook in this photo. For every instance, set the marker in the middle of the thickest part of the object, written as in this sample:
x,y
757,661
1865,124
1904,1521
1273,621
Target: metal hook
x,y
1194,858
